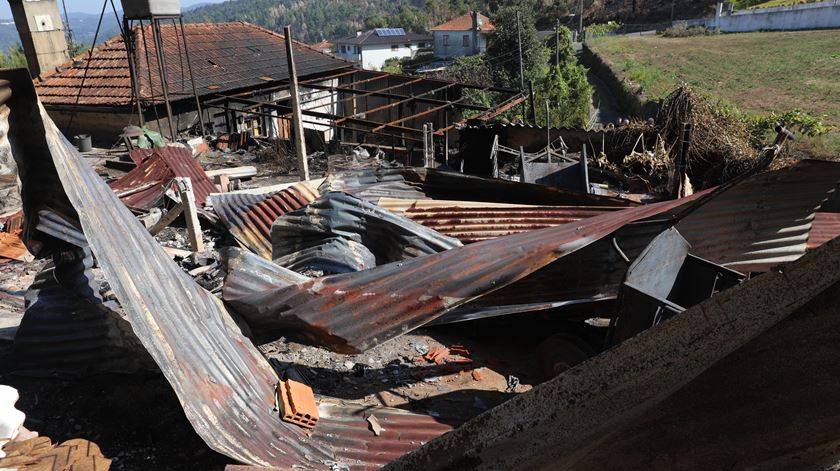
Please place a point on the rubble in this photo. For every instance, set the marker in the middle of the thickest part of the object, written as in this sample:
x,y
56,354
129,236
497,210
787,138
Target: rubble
x,y
386,315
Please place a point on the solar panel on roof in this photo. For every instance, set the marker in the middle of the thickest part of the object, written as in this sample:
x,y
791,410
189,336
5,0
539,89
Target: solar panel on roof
x,y
390,31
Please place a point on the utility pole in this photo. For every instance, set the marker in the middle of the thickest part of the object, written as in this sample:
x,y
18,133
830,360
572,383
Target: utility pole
x,y
519,43
557,43
297,119
580,19
673,6
547,132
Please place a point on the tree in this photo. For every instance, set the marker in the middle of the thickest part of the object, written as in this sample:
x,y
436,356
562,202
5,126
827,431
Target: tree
x,y
392,65
566,50
568,93
503,52
14,58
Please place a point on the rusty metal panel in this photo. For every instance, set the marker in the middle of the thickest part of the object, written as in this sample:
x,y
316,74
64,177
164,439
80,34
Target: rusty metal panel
x,y
249,217
471,221
337,215
762,221
157,174
355,311
825,227
224,384
577,414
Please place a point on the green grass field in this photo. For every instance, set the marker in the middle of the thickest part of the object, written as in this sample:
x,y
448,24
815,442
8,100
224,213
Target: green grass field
x,y
758,72
781,3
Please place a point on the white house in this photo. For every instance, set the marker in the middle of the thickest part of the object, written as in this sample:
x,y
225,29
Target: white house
x,y
372,48
465,35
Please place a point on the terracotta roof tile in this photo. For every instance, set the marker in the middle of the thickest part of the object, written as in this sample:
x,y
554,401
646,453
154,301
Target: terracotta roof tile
x,y
224,56
464,23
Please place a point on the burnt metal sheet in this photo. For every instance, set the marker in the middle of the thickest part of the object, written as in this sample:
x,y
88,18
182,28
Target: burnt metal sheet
x,y
355,311
156,175
65,334
371,185
762,221
328,257
470,221
583,410
448,185
825,227
249,217
224,384
336,215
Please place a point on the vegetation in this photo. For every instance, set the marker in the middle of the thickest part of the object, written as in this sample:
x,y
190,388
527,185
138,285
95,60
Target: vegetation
x,y
743,4
13,58
515,22
788,76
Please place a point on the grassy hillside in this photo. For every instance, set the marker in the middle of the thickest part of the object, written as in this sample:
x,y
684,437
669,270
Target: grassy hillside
x,y
758,72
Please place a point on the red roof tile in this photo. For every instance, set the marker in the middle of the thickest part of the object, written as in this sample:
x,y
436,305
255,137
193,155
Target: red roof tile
x,y
464,23
224,57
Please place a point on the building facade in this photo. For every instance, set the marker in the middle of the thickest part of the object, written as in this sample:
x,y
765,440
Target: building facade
x,y
372,48
465,35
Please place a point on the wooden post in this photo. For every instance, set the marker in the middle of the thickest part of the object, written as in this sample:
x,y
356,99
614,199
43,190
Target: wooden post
x,y
428,145
522,164
533,104
185,191
547,132
297,120
584,170
678,189
446,147
223,181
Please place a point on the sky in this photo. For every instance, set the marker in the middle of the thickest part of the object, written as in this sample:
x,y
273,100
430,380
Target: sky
x,y
91,6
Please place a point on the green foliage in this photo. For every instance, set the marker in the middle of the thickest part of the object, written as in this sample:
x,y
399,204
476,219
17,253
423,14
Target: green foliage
x,y
760,126
602,29
468,69
568,93
13,58
392,66
566,51
503,50
74,48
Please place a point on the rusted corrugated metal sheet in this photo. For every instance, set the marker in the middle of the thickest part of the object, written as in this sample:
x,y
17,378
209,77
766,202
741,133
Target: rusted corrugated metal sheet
x,y
826,226
249,217
224,384
471,221
370,230
762,221
156,175
355,311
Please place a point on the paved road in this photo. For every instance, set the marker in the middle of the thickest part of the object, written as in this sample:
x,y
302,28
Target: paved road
x,y
603,103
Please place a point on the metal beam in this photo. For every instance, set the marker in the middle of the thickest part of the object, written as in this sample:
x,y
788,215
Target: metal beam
x,y
431,101
398,103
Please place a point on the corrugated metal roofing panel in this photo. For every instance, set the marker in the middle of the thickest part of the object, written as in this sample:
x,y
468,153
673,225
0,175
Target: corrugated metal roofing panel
x,y
354,311
160,169
825,227
249,217
471,221
223,382
763,221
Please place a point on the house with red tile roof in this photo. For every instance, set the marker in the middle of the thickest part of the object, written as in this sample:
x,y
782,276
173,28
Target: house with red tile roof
x,y
96,95
465,35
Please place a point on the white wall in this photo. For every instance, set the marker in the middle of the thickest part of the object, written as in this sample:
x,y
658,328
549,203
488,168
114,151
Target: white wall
x,y
806,16
456,43
374,57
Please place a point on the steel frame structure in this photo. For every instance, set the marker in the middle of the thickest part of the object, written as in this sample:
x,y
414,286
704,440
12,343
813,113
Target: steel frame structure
x,y
400,102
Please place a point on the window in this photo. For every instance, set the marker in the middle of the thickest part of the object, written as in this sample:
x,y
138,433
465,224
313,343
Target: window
x,y
466,40
395,47
445,39
343,49
421,45
408,46
358,49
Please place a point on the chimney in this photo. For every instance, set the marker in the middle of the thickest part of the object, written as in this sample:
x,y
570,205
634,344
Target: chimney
x,y
41,33
476,23
358,33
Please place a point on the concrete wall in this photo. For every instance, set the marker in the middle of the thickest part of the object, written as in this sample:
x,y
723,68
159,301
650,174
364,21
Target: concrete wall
x,y
41,33
374,57
807,16
456,46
